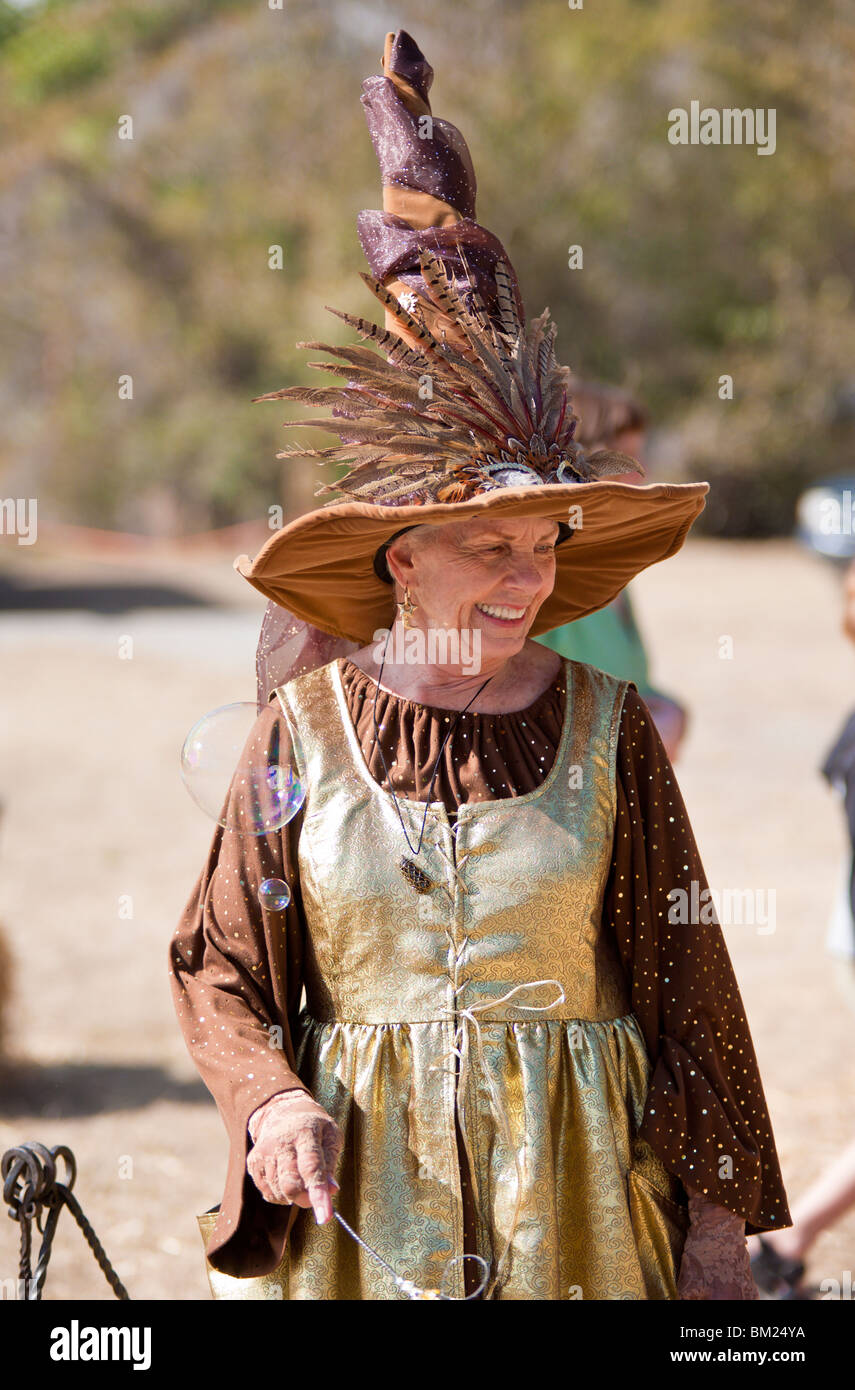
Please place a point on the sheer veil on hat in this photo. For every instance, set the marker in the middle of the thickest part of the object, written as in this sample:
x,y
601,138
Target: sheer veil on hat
x,y
289,647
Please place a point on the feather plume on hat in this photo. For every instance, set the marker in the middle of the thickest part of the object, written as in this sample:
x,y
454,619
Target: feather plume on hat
x,y
466,398
439,423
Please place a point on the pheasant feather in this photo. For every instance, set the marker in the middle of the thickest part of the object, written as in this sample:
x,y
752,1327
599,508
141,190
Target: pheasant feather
x,y
476,401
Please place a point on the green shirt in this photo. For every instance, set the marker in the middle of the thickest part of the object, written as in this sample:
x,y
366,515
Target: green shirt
x,y
608,639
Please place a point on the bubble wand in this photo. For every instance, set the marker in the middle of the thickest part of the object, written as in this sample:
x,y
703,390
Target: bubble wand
x,y
412,1290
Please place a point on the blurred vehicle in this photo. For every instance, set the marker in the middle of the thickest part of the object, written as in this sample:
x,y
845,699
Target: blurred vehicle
x,y
825,518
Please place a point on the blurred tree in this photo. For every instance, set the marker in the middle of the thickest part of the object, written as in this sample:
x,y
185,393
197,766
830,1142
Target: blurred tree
x,y
192,256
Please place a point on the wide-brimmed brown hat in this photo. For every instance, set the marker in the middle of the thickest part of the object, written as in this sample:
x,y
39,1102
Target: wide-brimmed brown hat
x,y
462,412
322,566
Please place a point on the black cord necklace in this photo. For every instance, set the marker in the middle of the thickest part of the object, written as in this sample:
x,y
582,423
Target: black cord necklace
x,y
415,849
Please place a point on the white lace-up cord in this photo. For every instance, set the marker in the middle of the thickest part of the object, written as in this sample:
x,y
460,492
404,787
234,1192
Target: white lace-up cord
x,y
466,1017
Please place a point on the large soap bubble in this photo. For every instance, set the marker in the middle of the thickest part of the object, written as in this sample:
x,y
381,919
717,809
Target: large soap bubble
x,y
241,781
274,894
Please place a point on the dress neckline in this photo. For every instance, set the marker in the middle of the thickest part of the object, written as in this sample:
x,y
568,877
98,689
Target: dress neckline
x,y
547,696
469,809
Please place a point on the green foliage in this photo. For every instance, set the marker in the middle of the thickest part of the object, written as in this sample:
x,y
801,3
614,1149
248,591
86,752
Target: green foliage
x,y
43,60
59,47
11,21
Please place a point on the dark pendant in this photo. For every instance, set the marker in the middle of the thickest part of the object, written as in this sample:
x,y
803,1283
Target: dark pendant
x,y
413,874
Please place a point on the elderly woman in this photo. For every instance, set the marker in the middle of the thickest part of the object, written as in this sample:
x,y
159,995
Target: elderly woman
x,y
479,1026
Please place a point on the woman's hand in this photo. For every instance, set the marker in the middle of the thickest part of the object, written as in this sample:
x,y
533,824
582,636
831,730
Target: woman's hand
x,y
296,1147
715,1263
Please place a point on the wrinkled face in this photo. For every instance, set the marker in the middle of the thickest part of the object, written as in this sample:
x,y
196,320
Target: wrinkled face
x,y
484,574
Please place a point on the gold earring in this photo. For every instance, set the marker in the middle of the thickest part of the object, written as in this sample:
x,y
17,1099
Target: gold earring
x,y
407,608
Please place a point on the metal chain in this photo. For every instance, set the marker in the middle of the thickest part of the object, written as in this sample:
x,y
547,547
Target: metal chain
x,y
96,1247
30,1188
24,1266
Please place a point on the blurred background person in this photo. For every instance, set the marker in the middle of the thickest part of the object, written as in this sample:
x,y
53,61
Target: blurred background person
x,y
610,638
778,1259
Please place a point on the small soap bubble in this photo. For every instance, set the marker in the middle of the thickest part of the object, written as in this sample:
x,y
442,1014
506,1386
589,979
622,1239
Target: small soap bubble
x,y
274,894
241,781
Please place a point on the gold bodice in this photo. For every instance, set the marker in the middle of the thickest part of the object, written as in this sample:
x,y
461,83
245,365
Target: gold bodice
x,y
421,1017
518,883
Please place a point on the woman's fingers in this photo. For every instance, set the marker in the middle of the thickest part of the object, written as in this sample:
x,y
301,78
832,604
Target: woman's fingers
x,y
274,1172
294,1161
312,1166
288,1181
262,1169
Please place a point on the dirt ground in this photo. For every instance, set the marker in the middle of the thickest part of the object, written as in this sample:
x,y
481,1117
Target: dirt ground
x,y
93,808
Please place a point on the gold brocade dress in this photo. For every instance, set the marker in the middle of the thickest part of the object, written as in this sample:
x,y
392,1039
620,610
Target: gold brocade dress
x,y
407,1036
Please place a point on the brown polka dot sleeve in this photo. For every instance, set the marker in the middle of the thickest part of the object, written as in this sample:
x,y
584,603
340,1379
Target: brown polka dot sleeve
x,y
236,977
706,1113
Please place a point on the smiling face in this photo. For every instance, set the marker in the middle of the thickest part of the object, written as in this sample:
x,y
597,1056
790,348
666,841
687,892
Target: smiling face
x,y
484,574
